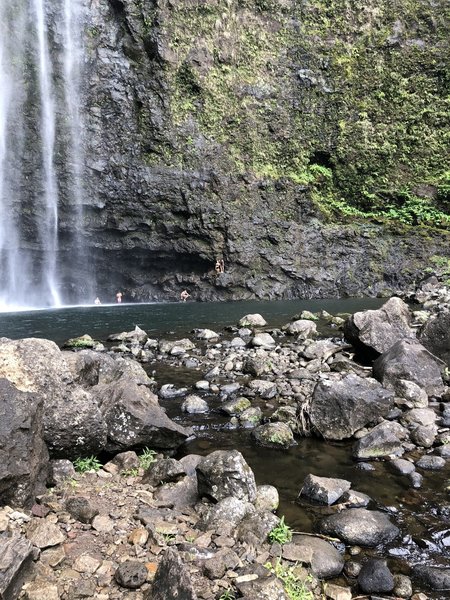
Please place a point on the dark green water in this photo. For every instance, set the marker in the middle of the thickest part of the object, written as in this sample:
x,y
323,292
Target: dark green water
x,y
59,324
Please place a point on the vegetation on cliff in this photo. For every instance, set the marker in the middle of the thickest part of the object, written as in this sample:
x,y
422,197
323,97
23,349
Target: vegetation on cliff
x,y
345,100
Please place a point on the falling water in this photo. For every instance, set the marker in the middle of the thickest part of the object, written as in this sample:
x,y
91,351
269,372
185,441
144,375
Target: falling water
x,y
41,158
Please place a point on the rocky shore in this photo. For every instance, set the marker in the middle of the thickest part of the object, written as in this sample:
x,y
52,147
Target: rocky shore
x,y
135,523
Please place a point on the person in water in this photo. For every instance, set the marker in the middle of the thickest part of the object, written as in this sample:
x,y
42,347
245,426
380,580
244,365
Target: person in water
x,y
97,300
119,297
184,296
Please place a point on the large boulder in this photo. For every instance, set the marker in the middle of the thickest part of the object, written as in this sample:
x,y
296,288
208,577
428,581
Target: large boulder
x,y
225,473
133,418
373,332
16,562
360,526
408,359
341,406
23,453
72,421
435,336
434,578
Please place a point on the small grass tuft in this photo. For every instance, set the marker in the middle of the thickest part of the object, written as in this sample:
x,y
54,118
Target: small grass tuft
x,y
281,534
146,458
88,463
294,587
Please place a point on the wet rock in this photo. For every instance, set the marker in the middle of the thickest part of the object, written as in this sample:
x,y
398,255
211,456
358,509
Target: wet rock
x,y
435,335
194,405
339,407
263,340
16,558
225,473
172,579
408,359
352,568
131,574
169,391
434,578
274,435
184,345
325,561
424,436
23,453
383,440
375,577
206,334
416,480
373,332
324,490
265,389
402,466
81,509
303,328
431,463
353,499
251,417
253,320
236,406
256,365
164,471
360,526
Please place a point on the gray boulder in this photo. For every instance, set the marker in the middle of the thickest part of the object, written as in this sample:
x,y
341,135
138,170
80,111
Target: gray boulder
x,y
23,453
194,405
325,560
226,515
16,562
133,418
341,406
225,473
253,320
383,440
166,470
373,332
303,328
435,336
375,577
360,526
408,359
434,578
274,435
263,340
324,490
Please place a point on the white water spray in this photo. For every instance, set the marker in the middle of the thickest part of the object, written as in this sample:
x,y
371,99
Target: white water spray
x,y
41,157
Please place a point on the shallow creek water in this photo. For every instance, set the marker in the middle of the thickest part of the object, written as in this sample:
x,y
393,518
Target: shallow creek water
x,y
423,515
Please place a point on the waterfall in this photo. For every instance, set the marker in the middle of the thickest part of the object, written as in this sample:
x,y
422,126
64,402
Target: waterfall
x,y
41,156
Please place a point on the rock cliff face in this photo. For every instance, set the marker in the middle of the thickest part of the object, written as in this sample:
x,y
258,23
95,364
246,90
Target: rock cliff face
x,y
260,131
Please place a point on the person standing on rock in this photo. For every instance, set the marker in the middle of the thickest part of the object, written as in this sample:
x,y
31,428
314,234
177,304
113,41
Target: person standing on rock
x,y
119,297
184,296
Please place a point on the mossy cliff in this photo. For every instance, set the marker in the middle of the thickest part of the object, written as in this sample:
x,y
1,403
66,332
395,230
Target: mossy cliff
x,y
306,142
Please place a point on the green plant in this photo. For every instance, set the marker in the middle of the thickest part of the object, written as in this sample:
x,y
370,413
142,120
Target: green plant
x,y
89,463
227,595
131,472
281,534
294,587
146,458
